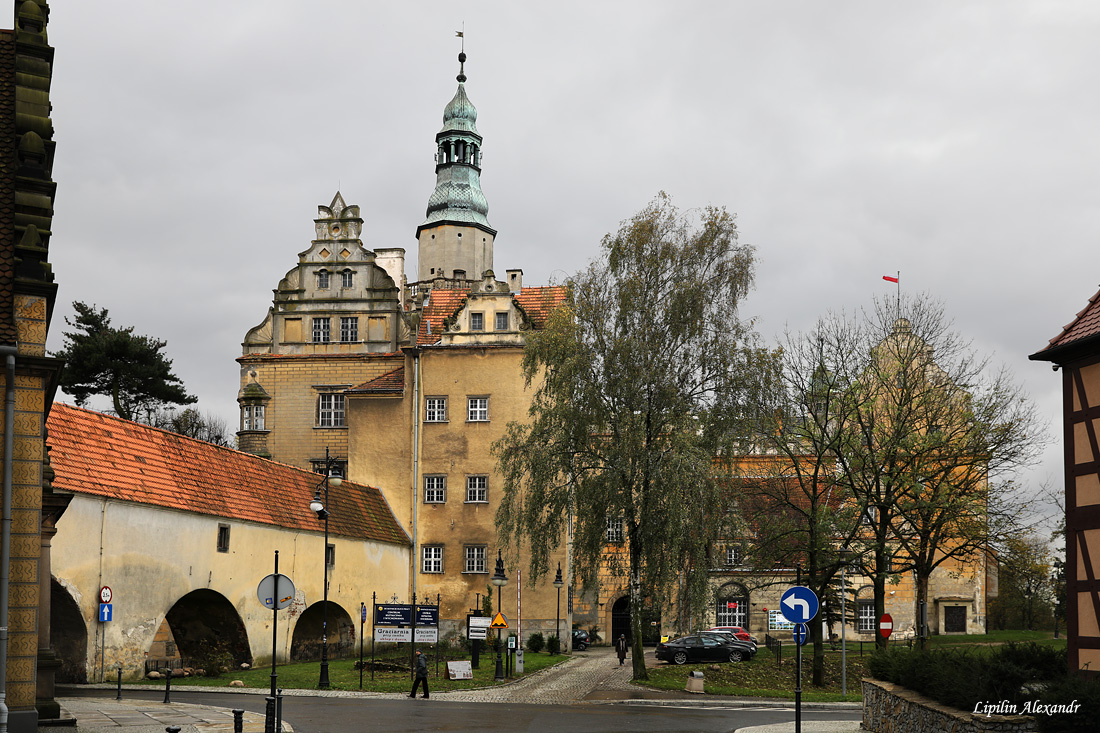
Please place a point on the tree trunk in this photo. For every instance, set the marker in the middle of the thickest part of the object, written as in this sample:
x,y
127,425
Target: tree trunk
x,y
879,581
637,654
922,595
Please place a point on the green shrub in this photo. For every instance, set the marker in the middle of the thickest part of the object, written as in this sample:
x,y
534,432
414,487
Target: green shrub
x,y
535,642
553,644
1067,690
960,676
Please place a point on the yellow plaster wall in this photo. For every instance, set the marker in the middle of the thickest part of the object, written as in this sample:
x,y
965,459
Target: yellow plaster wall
x,y
152,557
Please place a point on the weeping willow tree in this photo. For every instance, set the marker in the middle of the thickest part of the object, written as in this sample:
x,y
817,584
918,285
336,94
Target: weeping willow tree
x,y
641,382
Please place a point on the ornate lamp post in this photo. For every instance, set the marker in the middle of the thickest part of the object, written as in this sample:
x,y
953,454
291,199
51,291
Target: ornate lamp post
x,y
558,583
320,506
500,580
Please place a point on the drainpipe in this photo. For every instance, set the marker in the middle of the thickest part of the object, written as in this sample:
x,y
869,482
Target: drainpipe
x,y
415,465
9,353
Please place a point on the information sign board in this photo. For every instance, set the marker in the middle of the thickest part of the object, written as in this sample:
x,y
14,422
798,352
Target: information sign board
x,y
393,614
460,670
392,633
427,615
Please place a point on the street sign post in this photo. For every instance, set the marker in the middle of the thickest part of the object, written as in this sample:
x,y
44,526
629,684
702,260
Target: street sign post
x,y
799,605
800,634
105,594
106,612
275,591
886,625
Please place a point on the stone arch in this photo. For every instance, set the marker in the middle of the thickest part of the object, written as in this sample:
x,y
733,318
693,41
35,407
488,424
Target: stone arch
x,y
731,606
204,625
68,635
620,621
306,643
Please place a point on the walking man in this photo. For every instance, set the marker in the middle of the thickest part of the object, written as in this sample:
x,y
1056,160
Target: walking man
x,y
620,648
421,675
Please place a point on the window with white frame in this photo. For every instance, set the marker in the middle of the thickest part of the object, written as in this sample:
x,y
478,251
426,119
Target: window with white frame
x,y
252,417
475,559
330,411
502,321
477,409
614,529
435,489
477,321
349,328
322,330
865,617
347,279
322,279
431,559
732,610
734,556
435,409
477,489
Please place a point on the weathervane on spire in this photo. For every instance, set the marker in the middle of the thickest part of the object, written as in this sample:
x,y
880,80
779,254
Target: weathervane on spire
x,y
461,53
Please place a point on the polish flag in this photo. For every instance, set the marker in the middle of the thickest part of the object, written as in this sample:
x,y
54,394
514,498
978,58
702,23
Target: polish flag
x,y
891,279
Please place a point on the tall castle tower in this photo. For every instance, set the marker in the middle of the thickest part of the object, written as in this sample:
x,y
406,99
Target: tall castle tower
x,y
456,241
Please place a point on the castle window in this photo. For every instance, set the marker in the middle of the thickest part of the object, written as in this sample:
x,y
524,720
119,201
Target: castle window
x,y
435,409
432,559
330,555
614,531
734,556
477,409
476,489
322,279
252,417
330,411
321,330
435,489
475,559
502,321
349,328
347,278
865,617
223,538
477,321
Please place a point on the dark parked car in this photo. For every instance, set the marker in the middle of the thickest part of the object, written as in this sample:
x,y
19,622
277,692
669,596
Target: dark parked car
x,y
705,648
580,640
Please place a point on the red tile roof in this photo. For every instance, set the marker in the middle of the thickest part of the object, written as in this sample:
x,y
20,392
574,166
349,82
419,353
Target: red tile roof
x,y
538,303
1086,324
101,455
389,383
442,304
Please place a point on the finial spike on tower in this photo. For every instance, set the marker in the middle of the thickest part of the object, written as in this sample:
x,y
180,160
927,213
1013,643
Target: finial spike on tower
x,y
462,54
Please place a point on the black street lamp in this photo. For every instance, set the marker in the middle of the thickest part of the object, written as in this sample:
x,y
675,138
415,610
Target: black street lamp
x,y
558,583
500,580
320,505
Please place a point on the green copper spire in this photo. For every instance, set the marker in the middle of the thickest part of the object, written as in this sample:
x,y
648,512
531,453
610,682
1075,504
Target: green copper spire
x,y
458,198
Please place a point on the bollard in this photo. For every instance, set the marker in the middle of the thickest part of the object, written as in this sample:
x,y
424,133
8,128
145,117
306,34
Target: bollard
x,y
238,721
279,711
168,686
118,693
269,715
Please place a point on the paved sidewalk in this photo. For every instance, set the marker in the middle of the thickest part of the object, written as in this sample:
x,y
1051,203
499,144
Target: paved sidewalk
x,y
96,714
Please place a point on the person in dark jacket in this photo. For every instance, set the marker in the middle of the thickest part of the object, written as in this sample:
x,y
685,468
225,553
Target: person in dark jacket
x,y
421,675
620,648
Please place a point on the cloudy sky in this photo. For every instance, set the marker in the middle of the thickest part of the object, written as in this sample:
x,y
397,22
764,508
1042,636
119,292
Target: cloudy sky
x,y
953,142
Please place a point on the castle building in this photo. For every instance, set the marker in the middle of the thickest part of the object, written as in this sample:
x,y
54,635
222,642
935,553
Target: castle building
x,y
30,377
407,385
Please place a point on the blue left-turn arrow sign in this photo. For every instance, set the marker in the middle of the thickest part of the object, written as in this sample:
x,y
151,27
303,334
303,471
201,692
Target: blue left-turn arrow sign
x,y
105,611
799,604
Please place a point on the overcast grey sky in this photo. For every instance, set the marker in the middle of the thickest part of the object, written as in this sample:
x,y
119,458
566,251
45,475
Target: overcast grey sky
x,y
954,142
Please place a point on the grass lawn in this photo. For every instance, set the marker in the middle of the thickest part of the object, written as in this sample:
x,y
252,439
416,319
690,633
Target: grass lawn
x,y
762,677
343,675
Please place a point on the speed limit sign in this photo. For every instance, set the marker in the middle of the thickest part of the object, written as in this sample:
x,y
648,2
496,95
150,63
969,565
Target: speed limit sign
x,y
105,594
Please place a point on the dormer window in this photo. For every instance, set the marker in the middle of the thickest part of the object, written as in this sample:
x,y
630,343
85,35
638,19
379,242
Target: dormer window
x,y
322,279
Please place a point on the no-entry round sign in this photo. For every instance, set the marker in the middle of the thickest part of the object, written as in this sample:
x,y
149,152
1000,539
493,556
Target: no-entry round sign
x,y
886,625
